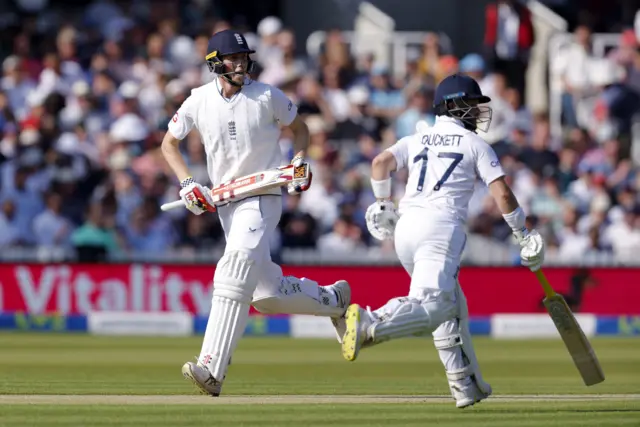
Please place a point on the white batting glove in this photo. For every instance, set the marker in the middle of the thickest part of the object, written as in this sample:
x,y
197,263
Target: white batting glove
x,y
532,252
382,218
196,197
300,186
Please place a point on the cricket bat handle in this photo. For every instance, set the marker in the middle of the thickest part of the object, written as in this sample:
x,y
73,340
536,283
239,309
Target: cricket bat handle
x,y
548,290
171,205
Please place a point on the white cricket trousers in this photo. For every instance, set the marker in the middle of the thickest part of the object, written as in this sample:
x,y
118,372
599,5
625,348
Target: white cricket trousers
x,y
249,226
429,249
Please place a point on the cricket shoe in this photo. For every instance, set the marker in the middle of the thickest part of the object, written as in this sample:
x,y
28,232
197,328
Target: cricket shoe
x,y
467,393
356,334
342,291
202,378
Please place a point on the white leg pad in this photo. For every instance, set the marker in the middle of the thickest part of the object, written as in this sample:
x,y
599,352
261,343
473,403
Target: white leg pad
x,y
301,296
455,347
407,317
233,285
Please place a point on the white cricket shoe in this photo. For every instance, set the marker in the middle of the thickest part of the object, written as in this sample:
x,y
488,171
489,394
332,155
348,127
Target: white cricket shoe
x,y
355,336
468,393
342,291
202,378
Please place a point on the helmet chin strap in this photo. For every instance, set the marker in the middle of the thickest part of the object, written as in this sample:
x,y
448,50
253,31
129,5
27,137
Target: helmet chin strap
x,y
229,80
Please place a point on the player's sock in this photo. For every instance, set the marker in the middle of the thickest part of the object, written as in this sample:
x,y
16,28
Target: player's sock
x,y
304,296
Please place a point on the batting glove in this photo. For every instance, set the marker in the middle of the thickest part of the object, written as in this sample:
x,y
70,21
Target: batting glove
x,y
381,218
532,248
196,197
300,186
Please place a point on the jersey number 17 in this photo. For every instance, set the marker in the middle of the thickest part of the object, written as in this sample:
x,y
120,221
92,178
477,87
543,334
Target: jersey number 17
x,y
423,157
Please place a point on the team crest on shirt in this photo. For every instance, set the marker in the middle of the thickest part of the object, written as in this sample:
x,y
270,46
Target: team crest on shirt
x,y
232,130
175,118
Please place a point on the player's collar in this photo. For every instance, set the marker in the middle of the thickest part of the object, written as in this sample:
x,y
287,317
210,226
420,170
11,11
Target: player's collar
x,y
447,119
228,100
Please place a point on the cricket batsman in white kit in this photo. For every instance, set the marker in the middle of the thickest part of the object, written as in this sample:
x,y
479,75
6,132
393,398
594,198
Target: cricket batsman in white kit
x,y
429,231
238,120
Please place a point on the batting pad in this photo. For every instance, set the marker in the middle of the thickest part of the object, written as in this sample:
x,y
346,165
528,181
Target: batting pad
x,y
301,296
226,325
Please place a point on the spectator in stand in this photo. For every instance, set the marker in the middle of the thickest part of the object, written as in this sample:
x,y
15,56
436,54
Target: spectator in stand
x,y
85,97
570,68
508,38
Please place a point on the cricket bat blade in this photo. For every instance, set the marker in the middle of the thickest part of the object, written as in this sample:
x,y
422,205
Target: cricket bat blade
x,y
251,184
579,347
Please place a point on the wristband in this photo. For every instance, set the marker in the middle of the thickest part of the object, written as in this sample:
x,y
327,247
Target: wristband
x,y
381,189
516,220
187,182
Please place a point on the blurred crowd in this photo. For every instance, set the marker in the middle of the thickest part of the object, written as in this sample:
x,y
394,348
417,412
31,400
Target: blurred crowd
x,y
85,99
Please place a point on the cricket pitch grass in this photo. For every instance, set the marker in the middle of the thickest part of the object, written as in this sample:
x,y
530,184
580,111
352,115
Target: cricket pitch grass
x,y
80,380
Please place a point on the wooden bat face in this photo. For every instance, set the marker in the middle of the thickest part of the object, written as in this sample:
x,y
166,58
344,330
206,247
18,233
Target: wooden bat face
x,y
575,340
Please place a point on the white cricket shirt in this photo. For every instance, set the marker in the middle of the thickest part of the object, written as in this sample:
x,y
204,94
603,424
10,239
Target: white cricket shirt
x,y
444,164
240,135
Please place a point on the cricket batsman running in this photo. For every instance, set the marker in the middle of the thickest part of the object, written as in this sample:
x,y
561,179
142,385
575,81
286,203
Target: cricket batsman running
x,y
429,229
238,120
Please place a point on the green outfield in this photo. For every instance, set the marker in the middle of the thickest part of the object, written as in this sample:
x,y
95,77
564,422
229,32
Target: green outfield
x,y
79,380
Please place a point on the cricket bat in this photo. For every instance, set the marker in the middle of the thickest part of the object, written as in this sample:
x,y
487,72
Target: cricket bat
x,y
253,184
572,334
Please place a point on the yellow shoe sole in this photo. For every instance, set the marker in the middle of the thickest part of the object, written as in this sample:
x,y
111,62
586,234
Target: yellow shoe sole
x,y
351,339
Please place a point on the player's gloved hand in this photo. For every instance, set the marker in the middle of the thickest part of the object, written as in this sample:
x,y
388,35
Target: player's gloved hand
x,y
300,186
382,218
532,248
196,197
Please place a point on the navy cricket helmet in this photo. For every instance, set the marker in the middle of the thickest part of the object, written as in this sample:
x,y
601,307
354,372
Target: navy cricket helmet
x,y
459,96
223,43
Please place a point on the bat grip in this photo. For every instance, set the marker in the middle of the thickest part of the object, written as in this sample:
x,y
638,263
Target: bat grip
x,y
548,290
172,205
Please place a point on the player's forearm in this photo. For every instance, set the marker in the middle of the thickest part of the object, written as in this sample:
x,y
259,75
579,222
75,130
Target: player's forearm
x,y
508,205
381,168
171,152
507,202
301,140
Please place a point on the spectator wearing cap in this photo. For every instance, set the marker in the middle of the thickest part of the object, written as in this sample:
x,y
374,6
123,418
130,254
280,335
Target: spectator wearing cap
x,y
474,66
